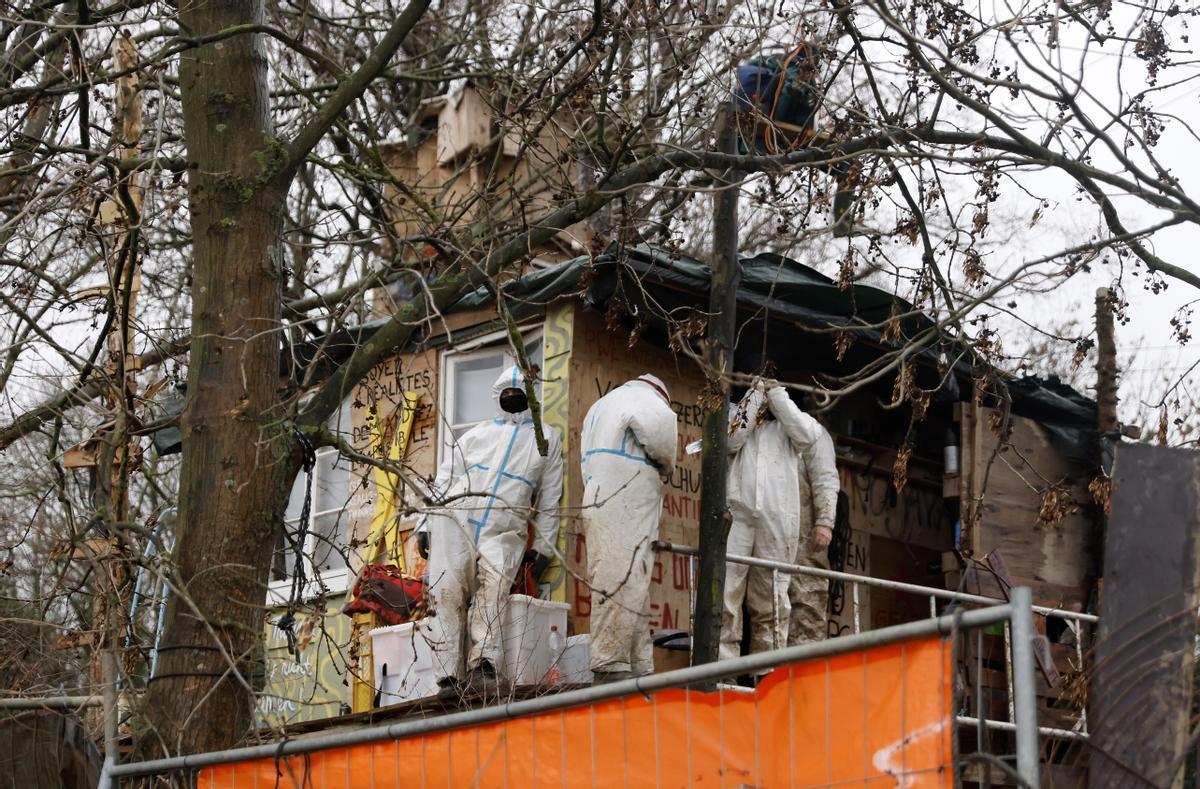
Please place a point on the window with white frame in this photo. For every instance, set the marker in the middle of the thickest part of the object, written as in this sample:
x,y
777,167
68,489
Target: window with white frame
x,y
467,378
324,544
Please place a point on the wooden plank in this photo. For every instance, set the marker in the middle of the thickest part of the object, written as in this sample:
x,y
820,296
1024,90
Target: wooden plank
x,y
380,395
997,679
894,560
82,456
1004,487
389,441
463,126
95,548
362,677
600,360
1045,663
456,321
979,580
917,515
970,479
985,774
841,595
77,638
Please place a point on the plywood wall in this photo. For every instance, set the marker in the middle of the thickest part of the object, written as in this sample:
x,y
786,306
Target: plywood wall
x,y
379,395
894,536
311,685
601,360
1005,482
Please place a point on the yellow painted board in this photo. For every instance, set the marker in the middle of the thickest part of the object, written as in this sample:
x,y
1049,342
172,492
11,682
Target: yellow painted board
x,y
558,337
384,532
383,539
362,695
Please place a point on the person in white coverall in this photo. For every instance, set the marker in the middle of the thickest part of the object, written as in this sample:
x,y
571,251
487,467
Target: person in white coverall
x,y
774,447
809,595
492,480
627,448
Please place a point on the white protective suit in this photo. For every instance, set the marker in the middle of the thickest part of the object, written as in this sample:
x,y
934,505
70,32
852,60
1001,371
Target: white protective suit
x,y
628,445
770,458
493,478
809,595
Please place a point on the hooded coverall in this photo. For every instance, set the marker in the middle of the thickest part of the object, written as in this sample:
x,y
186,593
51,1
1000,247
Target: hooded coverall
x,y
808,594
492,478
770,457
628,445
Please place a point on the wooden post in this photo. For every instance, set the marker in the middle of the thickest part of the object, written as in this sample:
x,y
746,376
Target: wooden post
x,y
1106,364
119,457
718,358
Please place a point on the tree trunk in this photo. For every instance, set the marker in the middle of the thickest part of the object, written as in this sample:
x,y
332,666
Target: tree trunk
x,y
236,459
1106,364
718,358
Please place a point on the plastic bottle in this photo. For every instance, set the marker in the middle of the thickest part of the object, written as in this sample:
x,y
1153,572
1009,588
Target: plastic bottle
x,y
557,645
950,465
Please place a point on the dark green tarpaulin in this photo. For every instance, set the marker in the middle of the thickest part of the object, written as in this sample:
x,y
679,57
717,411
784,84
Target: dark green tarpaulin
x,y
789,290
786,288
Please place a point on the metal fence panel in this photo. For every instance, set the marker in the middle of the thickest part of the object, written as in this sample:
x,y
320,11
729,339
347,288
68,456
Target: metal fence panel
x,y
883,714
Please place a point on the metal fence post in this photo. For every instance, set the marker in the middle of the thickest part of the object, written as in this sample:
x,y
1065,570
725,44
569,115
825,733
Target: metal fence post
x,y
108,665
1024,690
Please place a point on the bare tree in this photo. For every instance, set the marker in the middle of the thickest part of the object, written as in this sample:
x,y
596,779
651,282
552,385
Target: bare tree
x,y
271,213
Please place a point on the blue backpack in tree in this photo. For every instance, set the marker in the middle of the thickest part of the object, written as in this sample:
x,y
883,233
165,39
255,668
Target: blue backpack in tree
x,y
779,88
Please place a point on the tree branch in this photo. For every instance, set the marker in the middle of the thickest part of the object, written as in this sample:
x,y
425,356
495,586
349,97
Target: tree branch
x,y
349,89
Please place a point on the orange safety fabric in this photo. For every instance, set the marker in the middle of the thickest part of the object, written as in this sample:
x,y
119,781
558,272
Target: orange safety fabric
x,y
878,717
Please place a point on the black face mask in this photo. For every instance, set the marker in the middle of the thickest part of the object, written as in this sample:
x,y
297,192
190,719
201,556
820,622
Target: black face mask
x,y
513,401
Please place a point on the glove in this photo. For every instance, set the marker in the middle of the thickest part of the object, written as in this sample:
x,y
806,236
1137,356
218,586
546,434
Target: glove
x,y
423,544
537,563
820,538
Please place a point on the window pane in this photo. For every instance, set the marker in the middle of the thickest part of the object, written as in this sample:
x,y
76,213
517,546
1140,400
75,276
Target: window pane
x,y
325,543
340,422
284,563
328,542
473,379
296,499
332,487
534,351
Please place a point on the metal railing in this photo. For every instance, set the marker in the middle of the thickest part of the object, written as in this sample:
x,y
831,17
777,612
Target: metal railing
x,y
51,702
933,594
1018,613
856,580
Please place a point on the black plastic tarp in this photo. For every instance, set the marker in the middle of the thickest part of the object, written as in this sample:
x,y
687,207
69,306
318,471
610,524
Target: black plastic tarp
x,y
789,290
780,289
782,286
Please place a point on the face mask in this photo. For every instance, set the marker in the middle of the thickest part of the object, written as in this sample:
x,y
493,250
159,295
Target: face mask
x,y
513,401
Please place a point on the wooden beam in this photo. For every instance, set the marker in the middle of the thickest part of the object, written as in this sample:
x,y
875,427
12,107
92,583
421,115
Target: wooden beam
x,y
718,360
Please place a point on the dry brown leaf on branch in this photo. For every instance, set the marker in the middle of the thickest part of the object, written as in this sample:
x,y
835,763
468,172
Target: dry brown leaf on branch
x,y
1101,490
900,469
842,343
1056,505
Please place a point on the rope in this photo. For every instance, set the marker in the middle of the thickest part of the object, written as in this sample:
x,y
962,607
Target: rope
x,y
287,622
839,549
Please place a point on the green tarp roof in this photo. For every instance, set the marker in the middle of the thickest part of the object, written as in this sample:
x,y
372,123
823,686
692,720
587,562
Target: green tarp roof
x,y
779,286
787,288
791,290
